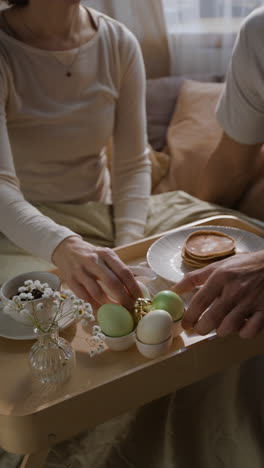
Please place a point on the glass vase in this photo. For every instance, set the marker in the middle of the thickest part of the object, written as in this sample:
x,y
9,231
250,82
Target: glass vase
x,y
51,358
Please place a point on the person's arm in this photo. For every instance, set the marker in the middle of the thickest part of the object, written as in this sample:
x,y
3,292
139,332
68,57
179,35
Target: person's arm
x,y
81,264
131,181
228,172
240,112
231,297
19,220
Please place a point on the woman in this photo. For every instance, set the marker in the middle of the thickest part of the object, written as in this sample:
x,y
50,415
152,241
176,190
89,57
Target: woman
x,y
71,78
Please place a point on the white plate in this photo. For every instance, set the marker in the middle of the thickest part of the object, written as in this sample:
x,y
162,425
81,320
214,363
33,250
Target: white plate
x,y
164,256
10,328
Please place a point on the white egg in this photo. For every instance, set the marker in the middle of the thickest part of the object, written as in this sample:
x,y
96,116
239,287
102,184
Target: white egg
x,y
155,327
144,289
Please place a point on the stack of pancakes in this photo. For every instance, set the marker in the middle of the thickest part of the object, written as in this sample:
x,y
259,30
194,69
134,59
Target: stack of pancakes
x,y
204,247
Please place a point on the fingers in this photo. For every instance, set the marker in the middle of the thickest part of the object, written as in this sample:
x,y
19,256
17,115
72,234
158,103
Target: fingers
x,y
253,325
227,320
102,265
82,293
93,288
122,271
231,289
193,280
233,321
212,318
200,302
118,291
118,278
84,266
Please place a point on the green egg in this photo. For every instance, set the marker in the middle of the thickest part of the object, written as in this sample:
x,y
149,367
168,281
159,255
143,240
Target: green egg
x,y
115,320
169,301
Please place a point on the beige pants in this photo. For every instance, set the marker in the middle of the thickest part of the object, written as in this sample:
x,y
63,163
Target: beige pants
x,y
94,222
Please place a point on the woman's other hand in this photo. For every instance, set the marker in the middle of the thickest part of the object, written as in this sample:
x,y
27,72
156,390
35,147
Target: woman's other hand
x,y
83,266
232,294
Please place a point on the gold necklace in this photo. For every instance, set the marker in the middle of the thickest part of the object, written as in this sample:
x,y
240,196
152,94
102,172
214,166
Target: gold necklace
x,y
70,66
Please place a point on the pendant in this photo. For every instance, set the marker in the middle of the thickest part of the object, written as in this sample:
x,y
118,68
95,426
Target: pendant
x,y
68,74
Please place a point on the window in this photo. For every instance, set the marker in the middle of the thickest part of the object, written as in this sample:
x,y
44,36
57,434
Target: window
x,y
202,32
182,12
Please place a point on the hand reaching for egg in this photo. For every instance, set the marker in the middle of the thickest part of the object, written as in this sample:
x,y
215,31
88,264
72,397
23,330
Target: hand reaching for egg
x,y
91,272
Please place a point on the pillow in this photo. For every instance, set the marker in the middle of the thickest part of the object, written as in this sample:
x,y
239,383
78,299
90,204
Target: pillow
x,y
161,99
192,136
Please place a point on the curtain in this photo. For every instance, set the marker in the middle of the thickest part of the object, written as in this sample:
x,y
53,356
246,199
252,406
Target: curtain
x,y
145,18
202,33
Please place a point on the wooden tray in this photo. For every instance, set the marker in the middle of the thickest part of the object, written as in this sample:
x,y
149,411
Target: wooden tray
x,y
34,416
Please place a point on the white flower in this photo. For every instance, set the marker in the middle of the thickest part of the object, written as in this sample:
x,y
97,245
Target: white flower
x,y
16,299
92,352
67,293
100,348
88,307
22,296
30,296
28,283
47,293
95,339
22,289
96,329
40,307
25,312
101,336
57,295
8,308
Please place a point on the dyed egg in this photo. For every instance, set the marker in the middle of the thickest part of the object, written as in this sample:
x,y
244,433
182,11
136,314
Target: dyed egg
x,y
115,320
155,327
171,302
144,289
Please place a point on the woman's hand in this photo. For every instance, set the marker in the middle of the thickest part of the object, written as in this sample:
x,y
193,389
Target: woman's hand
x,y
83,265
232,291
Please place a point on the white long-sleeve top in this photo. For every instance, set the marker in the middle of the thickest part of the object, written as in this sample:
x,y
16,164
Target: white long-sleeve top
x,y
53,130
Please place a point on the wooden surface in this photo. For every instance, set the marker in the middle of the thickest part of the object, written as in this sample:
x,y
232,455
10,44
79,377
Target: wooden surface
x,y
34,416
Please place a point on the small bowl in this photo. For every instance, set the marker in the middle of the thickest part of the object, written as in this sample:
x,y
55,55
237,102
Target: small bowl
x,y
177,328
10,288
152,351
120,343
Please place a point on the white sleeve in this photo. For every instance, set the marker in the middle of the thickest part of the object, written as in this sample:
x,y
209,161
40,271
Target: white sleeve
x,y
240,110
131,171
19,220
